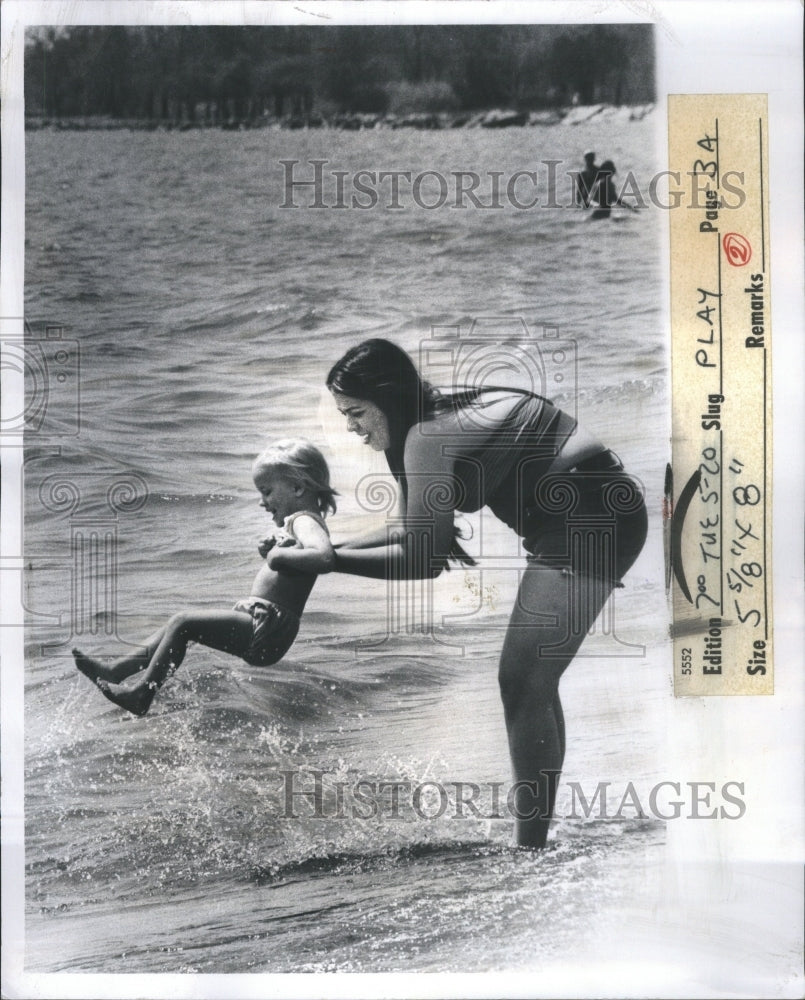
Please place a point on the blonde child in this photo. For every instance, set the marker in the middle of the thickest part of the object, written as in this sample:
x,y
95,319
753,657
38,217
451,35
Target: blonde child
x,y
294,485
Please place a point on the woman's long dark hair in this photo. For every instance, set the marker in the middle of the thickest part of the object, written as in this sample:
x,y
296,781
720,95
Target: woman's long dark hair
x,y
382,373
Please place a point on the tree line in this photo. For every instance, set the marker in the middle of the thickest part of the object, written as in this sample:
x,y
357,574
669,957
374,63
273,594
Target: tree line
x,y
241,73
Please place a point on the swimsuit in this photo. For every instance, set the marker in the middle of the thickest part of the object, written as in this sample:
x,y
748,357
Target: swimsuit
x,y
273,631
274,628
590,518
287,527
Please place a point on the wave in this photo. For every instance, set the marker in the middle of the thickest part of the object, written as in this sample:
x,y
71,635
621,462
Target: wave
x,y
571,841
346,862
164,497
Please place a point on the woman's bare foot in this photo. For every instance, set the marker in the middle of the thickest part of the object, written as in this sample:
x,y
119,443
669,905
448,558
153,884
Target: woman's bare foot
x,y
136,700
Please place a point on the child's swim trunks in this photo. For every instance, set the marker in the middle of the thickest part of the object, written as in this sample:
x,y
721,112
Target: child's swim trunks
x,y
274,630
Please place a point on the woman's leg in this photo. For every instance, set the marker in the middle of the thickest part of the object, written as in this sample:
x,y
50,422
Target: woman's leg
x,y
122,668
553,613
228,631
559,715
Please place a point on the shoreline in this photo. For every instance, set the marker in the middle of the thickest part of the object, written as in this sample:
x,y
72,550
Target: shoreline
x,y
354,121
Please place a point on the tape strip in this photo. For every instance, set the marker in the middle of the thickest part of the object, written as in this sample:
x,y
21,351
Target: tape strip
x,y
720,519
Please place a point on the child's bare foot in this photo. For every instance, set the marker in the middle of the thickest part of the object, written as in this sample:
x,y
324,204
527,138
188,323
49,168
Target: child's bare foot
x,y
90,667
113,672
134,699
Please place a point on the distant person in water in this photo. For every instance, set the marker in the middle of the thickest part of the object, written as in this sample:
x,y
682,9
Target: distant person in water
x,y
585,180
604,195
294,485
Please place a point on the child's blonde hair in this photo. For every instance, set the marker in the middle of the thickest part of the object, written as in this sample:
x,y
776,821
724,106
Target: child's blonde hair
x,y
304,464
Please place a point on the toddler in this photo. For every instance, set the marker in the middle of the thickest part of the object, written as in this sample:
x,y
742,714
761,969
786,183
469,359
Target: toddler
x,y
294,485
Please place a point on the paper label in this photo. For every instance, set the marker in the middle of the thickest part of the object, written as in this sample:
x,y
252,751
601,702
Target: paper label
x,y
720,528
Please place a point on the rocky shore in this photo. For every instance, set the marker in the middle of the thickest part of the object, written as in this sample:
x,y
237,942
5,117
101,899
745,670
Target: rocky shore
x,y
355,121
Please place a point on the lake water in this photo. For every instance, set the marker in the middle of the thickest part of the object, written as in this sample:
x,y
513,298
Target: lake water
x,y
200,319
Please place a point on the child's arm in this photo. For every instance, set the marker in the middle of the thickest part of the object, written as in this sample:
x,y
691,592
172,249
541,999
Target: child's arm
x,y
315,555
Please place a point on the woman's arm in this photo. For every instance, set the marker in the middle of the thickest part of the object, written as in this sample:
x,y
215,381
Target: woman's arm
x,y
315,553
421,550
383,562
368,540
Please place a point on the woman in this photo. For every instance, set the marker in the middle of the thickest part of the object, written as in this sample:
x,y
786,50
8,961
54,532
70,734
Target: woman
x,y
581,518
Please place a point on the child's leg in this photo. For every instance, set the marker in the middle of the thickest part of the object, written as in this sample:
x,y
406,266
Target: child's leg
x,y
229,631
123,667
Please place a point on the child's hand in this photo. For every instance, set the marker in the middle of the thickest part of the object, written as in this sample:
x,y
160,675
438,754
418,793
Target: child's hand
x,y
278,539
266,545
